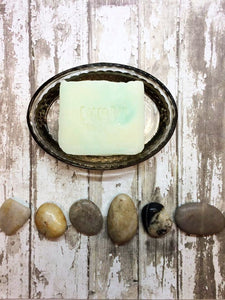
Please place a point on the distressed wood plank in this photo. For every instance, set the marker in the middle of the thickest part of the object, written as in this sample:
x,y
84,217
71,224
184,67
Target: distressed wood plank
x,y
14,140
201,141
113,270
59,41
75,266
157,55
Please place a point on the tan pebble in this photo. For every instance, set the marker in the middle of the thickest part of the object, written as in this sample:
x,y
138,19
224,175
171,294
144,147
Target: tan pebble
x,y
13,215
50,220
122,219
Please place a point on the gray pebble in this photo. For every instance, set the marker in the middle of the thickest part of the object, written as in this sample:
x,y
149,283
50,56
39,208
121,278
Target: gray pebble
x,y
199,219
122,219
155,219
86,217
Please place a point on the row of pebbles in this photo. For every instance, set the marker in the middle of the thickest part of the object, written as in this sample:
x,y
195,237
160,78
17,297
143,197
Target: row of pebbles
x,y
198,219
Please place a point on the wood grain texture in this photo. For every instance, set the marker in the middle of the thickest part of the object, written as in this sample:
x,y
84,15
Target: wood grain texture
x,y
201,166
59,41
14,139
157,48
113,270
181,42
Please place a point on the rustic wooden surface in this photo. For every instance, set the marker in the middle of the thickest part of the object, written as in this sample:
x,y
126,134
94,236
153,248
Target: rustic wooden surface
x,y
182,42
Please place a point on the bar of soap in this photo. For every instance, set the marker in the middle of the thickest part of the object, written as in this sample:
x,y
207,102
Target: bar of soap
x,y
101,117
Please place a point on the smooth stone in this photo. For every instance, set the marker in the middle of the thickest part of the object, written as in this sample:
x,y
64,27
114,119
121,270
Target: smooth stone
x,y
122,219
155,219
50,221
86,217
13,215
199,219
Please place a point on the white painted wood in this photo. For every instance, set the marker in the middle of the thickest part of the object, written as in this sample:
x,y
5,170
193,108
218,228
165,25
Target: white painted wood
x,y
201,123
14,139
113,270
182,44
59,268
157,47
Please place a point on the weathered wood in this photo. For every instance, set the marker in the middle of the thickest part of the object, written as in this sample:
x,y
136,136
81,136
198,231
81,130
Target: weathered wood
x,y
59,41
113,270
200,141
182,44
14,140
157,48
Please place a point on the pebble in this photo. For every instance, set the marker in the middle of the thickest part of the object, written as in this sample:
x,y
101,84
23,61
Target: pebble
x,y
13,215
199,219
50,220
86,217
122,219
155,219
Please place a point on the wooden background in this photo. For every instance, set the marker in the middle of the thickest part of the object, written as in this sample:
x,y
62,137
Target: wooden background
x,y
181,42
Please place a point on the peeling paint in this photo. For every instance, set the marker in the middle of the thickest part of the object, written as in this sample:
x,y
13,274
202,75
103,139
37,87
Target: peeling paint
x,y
40,276
1,257
202,58
106,19
13,245
100,3
72,238
209,108
115,280
205,285
143,33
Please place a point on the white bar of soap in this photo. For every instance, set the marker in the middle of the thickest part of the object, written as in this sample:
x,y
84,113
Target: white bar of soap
x,y
101,117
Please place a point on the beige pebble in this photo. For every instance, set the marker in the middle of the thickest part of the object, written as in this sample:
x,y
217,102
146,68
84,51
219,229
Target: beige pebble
x,y
50,220
122,219
13,215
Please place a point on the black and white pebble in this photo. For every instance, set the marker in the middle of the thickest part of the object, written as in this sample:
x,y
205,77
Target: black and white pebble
x,y
199,219
155,219
86,217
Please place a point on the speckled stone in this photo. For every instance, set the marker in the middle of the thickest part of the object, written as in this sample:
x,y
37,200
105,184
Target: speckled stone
x,y
199,219
86,217
122,219
155,219
13,215
50,221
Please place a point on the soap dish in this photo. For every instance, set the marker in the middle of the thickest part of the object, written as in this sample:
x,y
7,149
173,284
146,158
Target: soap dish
x,y
160,114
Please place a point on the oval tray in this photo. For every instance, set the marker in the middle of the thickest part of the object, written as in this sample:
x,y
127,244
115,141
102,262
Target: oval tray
x,y
42,114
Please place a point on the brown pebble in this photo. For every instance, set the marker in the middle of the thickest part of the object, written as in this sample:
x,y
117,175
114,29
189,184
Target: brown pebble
x,y
199,219
122,219
50,220
86,217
